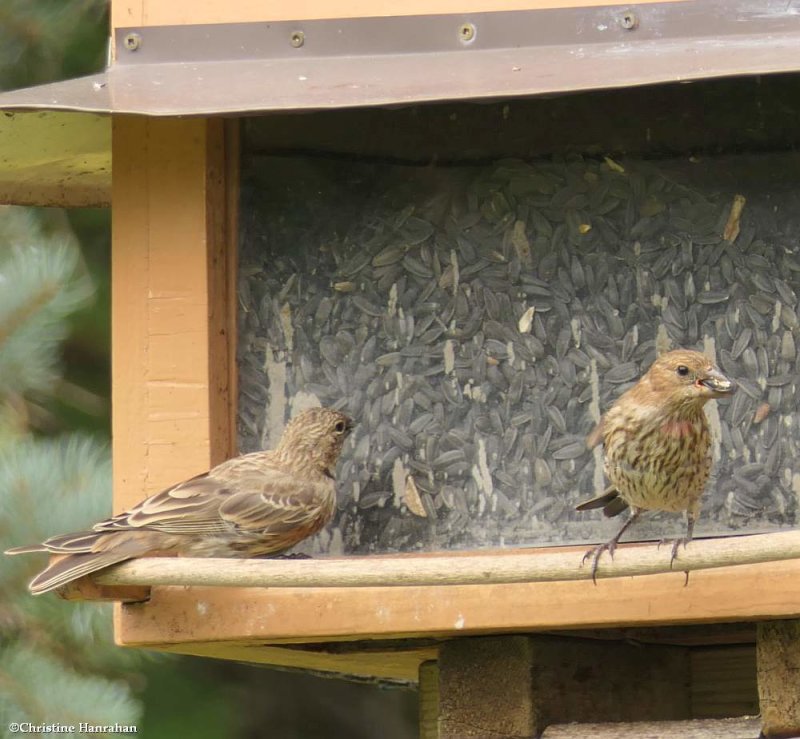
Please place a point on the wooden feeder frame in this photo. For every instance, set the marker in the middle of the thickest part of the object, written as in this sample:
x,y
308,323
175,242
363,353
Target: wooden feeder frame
x,y
173,272
174,307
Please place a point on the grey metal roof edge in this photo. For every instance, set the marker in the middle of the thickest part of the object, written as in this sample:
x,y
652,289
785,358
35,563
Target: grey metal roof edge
x,y
233,69
83,94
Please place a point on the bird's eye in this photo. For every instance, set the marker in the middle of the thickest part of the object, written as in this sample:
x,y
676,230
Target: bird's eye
x,y
682,370
340,427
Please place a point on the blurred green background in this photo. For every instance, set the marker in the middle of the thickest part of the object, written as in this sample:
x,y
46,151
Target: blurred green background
x,y
57,659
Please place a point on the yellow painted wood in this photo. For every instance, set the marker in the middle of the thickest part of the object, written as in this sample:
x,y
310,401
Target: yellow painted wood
x,y
170,355
126,13
177,614
429,700
401,664
161,302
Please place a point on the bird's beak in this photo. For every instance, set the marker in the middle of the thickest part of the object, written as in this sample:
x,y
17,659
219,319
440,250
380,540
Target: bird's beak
x,y
717,383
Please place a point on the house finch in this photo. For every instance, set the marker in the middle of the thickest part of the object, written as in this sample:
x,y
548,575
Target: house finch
x,y
657,444
256,504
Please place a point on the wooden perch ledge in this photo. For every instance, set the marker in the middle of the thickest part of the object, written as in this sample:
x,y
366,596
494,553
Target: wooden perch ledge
x,y
500,566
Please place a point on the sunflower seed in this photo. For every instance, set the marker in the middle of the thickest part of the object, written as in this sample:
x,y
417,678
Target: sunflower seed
x,y
712,297
742,342
749,388
622,373
572,450
462,329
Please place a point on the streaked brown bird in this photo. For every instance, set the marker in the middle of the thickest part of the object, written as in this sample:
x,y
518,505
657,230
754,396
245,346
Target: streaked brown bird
x,y
256,504
657,444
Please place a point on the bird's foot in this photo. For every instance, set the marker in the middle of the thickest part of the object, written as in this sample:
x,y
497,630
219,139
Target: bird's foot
x,y
293,555
595,553
676,544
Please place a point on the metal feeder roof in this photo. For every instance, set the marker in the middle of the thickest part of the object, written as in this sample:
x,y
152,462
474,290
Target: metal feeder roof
x,y
262,67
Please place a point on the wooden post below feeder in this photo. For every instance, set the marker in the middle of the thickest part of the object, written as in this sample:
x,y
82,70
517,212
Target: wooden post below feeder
x,y
778,660
510,687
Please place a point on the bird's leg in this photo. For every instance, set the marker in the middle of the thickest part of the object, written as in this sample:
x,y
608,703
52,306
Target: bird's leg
x,y
676,543
610,546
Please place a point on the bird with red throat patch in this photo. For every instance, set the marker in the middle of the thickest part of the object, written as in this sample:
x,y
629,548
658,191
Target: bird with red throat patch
x,y
253,505
657,444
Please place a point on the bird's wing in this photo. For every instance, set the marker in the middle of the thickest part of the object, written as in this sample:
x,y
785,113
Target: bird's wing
x,y
188,507
277,503
246,494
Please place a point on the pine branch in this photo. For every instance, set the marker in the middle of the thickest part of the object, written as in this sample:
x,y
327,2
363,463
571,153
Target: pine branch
x,y
26,311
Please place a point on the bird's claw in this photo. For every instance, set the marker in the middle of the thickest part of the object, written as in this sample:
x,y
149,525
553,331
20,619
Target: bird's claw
x,y
676,544
595,553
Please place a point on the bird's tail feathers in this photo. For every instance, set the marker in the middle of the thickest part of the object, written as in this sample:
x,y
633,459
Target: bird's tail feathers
x,y
615,507
609,500
26,550
71,567
83,552
78,542
599,501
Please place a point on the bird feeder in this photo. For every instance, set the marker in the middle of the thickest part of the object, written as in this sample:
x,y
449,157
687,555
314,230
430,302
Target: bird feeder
x,y
470,226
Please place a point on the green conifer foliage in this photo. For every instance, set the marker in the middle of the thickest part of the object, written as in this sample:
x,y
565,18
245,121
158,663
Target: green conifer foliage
x,y
58,662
